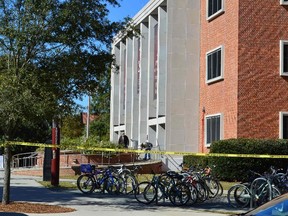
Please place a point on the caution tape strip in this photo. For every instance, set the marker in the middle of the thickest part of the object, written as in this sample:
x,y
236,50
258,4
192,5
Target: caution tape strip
x,y
42,145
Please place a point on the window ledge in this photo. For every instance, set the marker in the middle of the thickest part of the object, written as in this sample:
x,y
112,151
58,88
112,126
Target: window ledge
x,y
215,15
217,79
207,145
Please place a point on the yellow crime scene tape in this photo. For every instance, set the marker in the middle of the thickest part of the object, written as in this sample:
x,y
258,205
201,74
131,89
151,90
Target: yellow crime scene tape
x,y
43,145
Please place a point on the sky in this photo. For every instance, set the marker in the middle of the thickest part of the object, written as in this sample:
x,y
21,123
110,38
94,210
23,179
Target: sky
x,y
128,8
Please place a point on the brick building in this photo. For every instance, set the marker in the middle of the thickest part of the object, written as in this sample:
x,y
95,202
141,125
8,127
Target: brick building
x,y
244,50
202,70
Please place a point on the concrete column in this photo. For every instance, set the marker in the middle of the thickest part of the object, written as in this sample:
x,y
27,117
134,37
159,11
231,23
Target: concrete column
x,y
114,100
162,78
182,120
152,131
128,89
135,87
152,54
122,84
160,139
143,97
162,61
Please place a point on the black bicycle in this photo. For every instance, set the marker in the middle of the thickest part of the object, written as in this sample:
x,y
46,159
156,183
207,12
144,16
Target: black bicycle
x,y
163,187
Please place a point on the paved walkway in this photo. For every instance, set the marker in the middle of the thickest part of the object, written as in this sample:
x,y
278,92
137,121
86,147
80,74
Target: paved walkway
x,y
25,188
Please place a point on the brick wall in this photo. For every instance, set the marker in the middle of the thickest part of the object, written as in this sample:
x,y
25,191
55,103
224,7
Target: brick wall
x,y
221,96
71,159
252,93
263,93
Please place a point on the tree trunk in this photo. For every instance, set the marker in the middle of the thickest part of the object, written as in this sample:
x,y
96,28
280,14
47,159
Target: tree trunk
x,y
7,174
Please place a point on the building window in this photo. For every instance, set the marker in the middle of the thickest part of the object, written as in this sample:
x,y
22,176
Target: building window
x,y
284,57
214,8
283,125
213,127
283,2
214,65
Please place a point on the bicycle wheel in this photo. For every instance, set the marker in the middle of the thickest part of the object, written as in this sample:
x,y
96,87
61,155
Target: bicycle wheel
x,y
193,194
280,180
162,194
121,185
129,184
202,192
220,192
179,194
265,195
86,183
145,193
260,191
239,196
112,184
275,192
167,181
212,186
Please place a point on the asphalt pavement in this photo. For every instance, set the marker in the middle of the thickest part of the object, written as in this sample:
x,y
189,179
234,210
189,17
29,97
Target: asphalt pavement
x,y
27,189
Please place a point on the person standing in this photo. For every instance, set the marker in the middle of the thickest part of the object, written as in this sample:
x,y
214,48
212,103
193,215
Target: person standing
x,y
147,146
123,140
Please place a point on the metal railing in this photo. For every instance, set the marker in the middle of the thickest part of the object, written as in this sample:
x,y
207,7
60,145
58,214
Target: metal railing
x,y
24,160
34,159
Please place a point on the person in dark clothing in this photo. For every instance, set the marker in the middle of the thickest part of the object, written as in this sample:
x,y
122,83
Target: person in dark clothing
x,y
147,146
123,140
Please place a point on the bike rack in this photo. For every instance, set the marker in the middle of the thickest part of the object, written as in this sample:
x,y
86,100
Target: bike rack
x,y
253,191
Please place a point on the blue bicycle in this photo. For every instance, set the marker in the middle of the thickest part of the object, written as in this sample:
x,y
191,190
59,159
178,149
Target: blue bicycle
x,y
94,179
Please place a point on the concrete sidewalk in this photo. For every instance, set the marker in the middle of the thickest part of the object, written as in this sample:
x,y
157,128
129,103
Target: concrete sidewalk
x,y
27,189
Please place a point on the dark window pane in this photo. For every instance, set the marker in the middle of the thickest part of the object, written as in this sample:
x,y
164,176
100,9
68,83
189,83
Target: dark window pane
x,y
285,58
208,138
214,6
217,125
214,70
214,64
210,66
213,129
219,5
285,127
218,68
210,7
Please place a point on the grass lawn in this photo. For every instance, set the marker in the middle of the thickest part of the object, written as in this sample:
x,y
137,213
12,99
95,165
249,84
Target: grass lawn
x,y
227,185
70,184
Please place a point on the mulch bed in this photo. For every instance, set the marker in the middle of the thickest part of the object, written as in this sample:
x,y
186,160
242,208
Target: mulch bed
x,y
26,207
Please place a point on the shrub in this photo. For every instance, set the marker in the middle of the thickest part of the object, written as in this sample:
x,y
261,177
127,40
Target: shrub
x,y
237,168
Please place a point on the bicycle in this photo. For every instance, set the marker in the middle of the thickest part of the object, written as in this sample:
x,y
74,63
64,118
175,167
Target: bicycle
x,y
280,179
129,179
102,180
206,184
161,189
255,193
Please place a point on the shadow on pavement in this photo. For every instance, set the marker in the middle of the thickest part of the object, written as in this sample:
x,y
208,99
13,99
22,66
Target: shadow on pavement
x,y
12,214
76,198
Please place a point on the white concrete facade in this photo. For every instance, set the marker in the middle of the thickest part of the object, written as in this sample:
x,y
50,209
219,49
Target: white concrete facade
x,y
155,83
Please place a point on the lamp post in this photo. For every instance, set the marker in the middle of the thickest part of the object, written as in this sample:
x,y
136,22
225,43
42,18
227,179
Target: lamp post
x,y
88,118
55,161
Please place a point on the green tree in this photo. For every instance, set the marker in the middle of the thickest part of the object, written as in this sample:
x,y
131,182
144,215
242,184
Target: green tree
x,y
72,126
51,52
100,106
100,127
